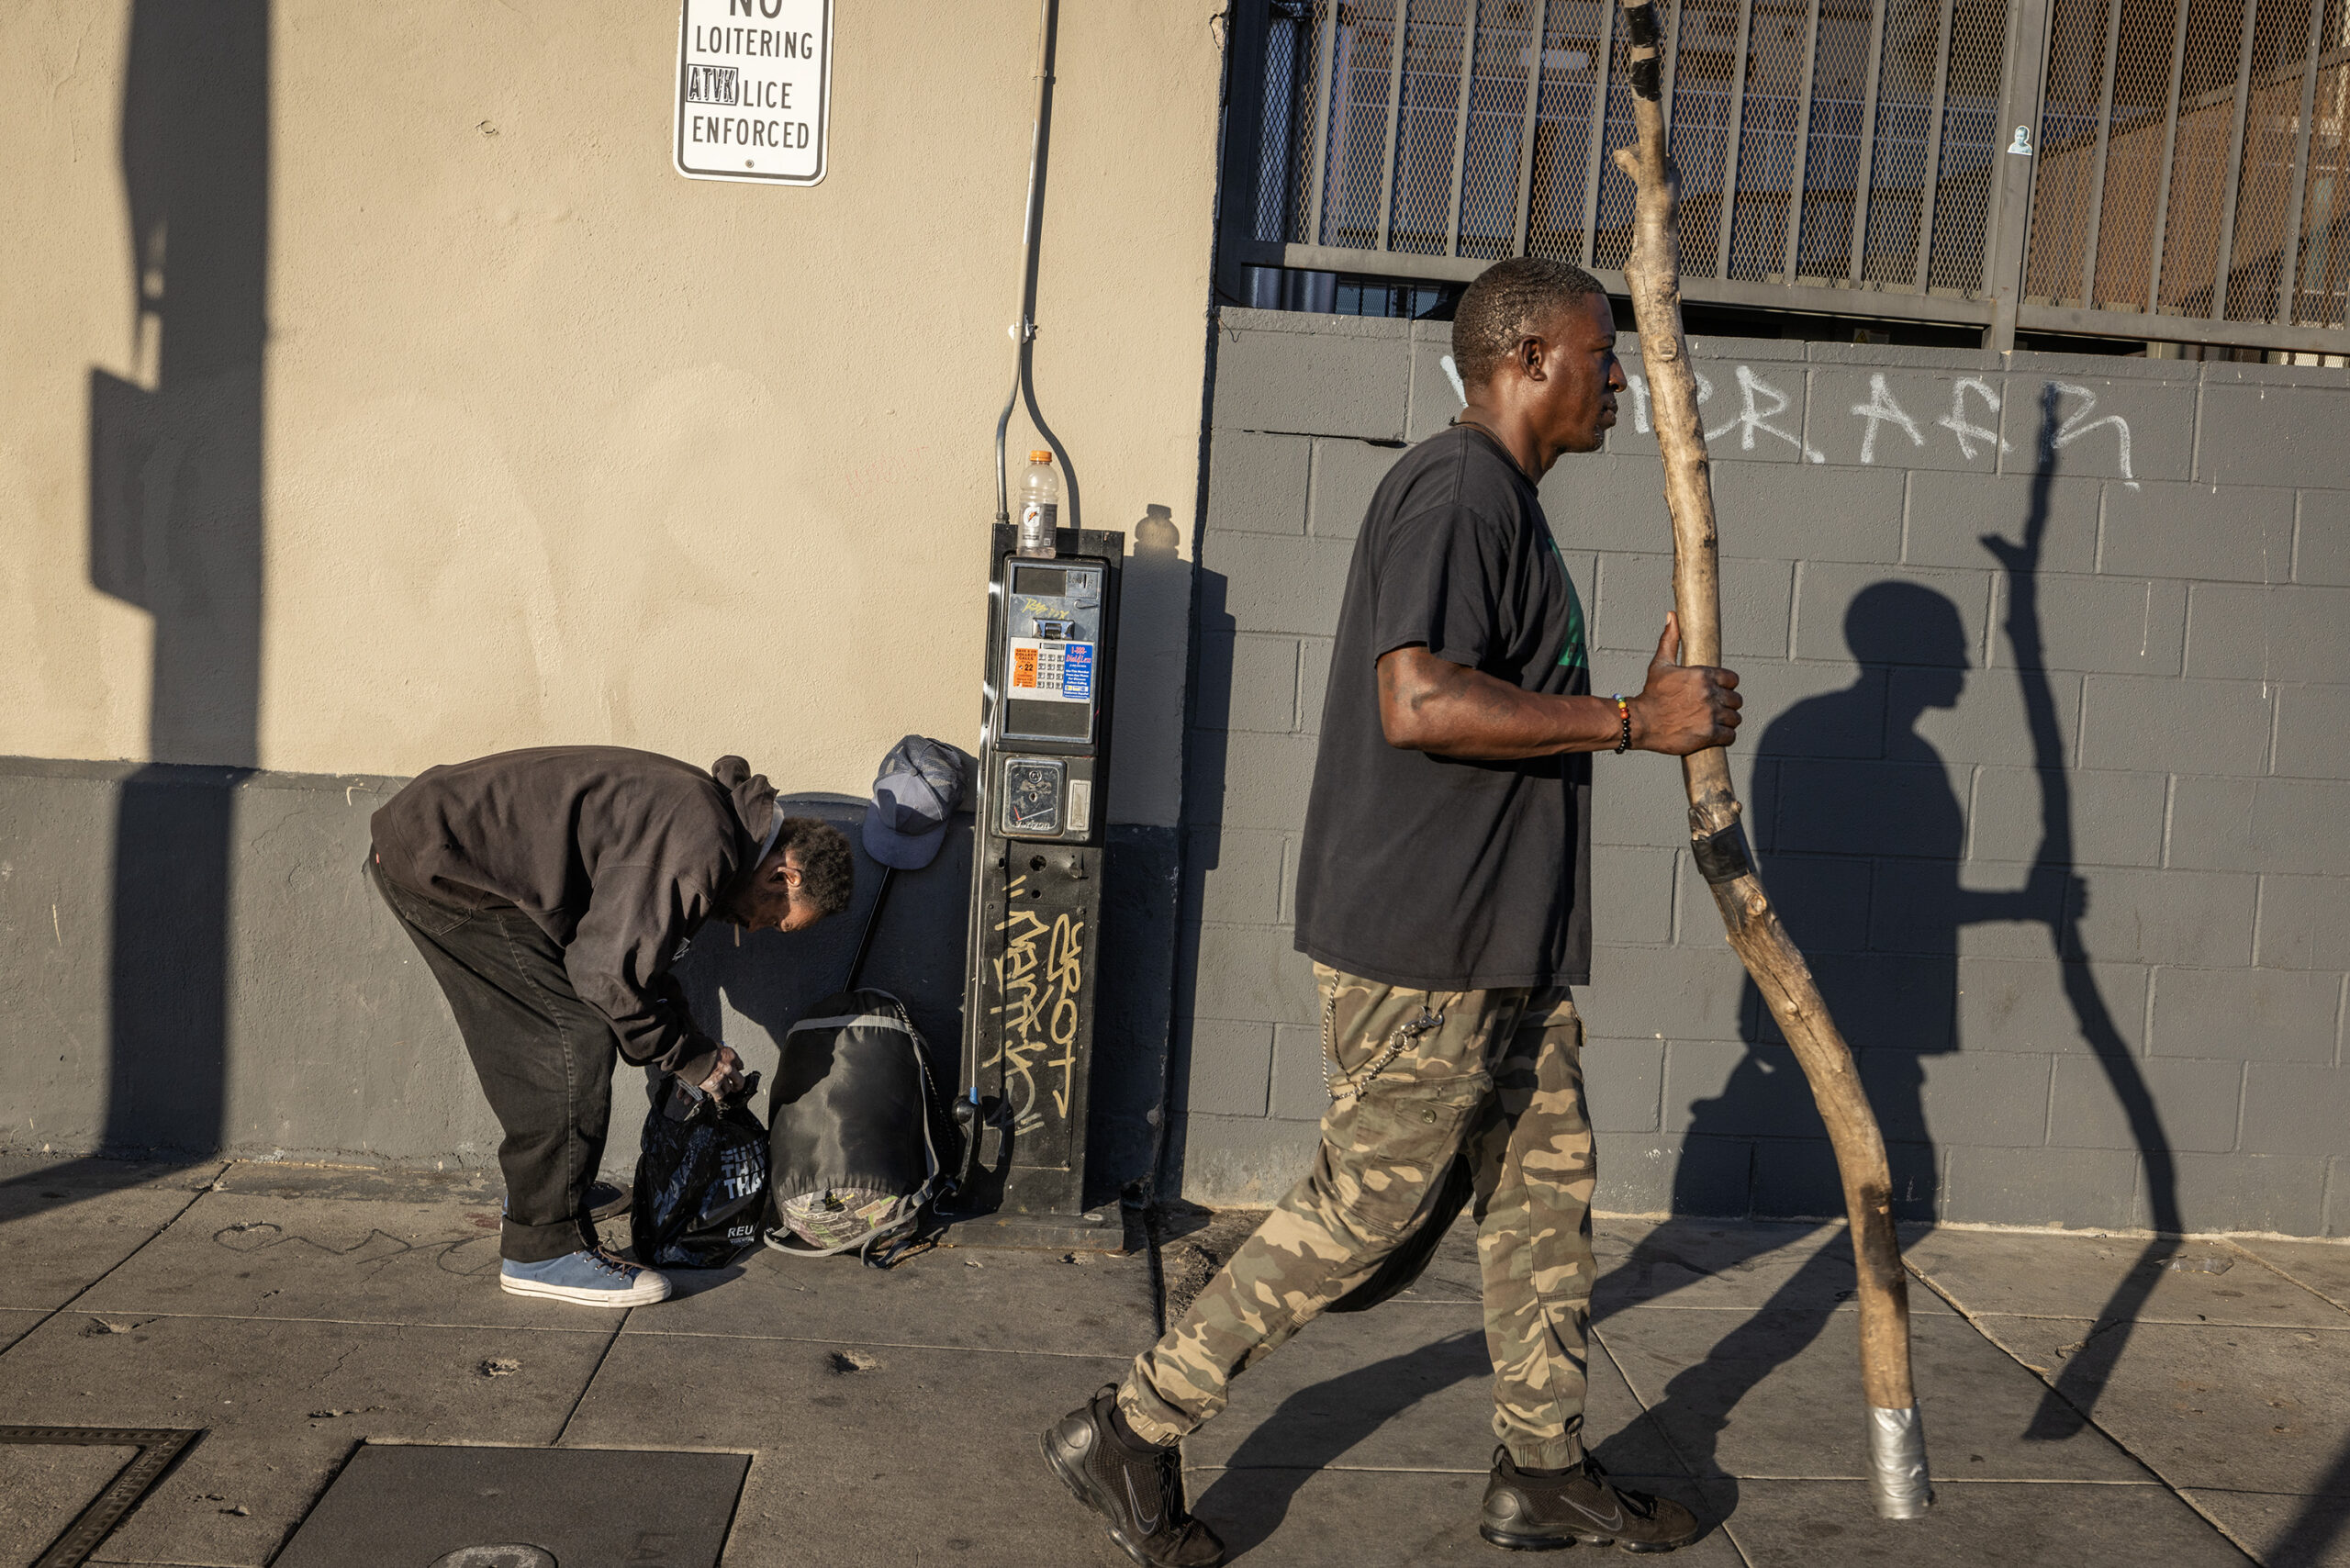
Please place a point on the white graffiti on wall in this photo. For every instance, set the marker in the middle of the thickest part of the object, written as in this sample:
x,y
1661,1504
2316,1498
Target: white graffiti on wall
x,y
1966,430
1752,423
1879,408
2078,424
1755,418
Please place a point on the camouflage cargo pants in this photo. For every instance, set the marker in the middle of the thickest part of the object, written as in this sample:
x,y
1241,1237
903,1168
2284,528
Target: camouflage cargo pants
x,y
1416,1076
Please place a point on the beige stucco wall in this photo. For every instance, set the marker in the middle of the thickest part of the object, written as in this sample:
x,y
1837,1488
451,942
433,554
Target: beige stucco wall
x,y
561,446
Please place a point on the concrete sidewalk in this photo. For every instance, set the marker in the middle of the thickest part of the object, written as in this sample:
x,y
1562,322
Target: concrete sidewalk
x,y
296,1313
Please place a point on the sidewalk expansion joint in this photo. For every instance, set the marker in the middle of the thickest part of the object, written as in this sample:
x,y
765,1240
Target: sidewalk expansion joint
x,y
2088,1417
877,1344
150,1315
179,1213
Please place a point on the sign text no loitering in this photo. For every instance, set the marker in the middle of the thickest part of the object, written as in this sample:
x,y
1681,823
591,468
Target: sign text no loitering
x,y
754,90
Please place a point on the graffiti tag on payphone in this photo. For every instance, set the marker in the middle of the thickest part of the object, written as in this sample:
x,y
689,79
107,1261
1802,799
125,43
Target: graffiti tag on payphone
x,y
1039,977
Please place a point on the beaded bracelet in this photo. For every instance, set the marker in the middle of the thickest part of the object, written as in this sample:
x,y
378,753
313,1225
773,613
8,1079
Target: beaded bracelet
x,y
1623,717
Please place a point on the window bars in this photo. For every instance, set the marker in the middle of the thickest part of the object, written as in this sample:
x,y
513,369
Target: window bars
x,y
2163,169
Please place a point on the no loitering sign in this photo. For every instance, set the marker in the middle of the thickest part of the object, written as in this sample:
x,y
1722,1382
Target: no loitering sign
x,y
755,81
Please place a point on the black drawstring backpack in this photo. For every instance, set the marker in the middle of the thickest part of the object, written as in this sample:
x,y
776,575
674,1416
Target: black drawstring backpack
x,y
859,1142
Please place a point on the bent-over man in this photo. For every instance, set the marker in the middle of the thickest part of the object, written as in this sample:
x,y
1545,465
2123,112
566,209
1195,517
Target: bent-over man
x,y
1444,893
550,891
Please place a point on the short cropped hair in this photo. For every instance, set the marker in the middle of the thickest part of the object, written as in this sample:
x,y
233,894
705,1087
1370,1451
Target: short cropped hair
x,y
827,870
1510,300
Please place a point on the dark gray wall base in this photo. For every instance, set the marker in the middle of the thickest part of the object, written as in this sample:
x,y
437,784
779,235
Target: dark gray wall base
x,y
190,964
224,982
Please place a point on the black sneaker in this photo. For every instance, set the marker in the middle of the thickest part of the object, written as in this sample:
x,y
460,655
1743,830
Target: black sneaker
x,y
1542,1513
606,1201
1140,1493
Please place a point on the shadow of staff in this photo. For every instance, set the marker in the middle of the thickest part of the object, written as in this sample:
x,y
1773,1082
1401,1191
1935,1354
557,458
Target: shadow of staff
x,y
2071,1400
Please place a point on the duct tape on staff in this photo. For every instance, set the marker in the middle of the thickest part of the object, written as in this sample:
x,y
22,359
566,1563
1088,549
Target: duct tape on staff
x,y
754,90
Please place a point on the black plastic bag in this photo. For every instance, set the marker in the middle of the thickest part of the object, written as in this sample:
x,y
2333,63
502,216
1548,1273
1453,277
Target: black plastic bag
x,y
702,1180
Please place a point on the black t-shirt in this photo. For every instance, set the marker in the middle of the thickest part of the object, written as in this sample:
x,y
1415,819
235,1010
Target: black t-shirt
x,y
1427,871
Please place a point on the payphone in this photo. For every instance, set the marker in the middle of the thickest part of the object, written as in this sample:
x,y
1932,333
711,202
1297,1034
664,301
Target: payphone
x,y
1036,895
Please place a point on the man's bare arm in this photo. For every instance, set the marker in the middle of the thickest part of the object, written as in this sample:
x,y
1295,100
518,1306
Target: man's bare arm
x,y
1428,703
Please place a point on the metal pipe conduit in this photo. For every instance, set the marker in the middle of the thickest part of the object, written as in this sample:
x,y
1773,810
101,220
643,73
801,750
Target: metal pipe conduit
x,y
1023,332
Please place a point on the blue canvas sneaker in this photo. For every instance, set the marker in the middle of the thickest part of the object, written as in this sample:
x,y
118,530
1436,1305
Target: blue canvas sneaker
x,y
586,1278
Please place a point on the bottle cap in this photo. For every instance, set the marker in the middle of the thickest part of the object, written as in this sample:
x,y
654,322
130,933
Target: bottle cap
x,y
1040,457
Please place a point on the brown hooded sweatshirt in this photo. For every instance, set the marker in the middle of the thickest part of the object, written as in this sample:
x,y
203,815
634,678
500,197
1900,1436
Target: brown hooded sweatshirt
x,y
618,855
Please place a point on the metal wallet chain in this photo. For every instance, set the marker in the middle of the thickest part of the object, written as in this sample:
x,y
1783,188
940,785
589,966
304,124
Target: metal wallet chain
x,y
1342,1084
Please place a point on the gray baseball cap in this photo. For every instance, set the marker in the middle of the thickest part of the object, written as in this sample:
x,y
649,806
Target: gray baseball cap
x,y
917,789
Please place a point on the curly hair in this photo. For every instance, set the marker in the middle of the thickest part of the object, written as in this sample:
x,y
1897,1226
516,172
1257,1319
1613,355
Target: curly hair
x,y
1507,302
827,870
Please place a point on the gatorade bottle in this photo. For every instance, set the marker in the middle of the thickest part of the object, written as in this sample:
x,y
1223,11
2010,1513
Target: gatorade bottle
x,y
1040,505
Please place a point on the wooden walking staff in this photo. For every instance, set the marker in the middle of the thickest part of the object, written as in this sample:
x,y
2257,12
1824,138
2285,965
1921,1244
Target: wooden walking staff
x,y
1898,1478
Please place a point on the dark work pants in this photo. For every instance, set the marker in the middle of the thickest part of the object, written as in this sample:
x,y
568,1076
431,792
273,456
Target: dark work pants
x,y
545,1058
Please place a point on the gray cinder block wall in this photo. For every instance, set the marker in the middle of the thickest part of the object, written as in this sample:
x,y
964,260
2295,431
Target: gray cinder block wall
x,y
2055,818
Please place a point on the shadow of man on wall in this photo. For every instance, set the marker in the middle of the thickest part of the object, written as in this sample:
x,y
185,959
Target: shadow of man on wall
x,y
175,528
1861,834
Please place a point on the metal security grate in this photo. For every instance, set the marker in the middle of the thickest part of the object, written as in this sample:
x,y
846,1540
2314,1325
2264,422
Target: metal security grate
x,y
1970,145
1287,102
1365,72
2191,153
1770,161
1565,160
2118,240
1849,58
2318,282
1905,155
2171,168
1706,57
1437,41
1497,145
2075,101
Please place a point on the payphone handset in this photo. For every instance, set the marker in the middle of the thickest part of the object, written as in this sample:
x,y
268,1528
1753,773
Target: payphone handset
x,y
1049,717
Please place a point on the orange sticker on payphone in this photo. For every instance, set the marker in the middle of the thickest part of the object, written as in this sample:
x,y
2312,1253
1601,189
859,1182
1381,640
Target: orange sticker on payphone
x,y
1024,668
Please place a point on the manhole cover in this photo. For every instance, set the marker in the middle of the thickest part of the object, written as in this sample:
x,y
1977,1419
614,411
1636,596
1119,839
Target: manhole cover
x,y
400,1507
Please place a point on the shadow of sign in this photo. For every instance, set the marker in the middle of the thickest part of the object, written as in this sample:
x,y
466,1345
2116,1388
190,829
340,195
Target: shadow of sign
x,y
175,529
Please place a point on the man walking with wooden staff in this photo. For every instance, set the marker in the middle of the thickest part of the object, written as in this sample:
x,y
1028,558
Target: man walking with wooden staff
x,y
1898,1483
1444,895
